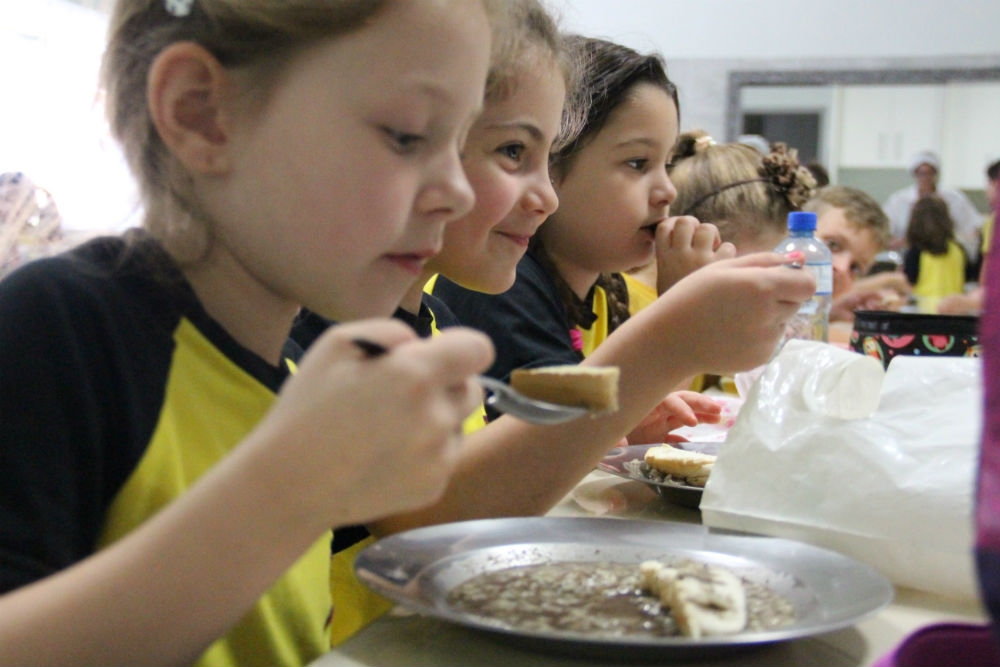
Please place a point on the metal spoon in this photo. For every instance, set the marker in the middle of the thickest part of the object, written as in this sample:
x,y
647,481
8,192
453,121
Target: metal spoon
x,y
503,397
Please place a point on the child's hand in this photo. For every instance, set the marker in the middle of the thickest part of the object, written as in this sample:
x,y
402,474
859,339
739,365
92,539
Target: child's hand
x,y
679,408
732,312
363,437
883,291
683,244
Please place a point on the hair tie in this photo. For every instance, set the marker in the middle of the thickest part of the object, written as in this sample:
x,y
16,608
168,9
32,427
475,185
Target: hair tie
x,y
178,8
704,140
701,200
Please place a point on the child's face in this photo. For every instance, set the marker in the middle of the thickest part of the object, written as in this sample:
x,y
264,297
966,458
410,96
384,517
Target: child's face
x,y
853,247
617,189
506,161
344,182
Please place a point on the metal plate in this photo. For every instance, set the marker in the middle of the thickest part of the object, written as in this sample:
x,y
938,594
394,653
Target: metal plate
x,y
674,492
418,568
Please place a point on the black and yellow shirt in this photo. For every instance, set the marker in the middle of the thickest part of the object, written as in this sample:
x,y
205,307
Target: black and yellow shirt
x,y
117,392
354,604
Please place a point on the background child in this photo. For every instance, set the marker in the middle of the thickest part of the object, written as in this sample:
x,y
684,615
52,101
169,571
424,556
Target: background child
x,y
746,194
856,229
971,302
934,261
158,492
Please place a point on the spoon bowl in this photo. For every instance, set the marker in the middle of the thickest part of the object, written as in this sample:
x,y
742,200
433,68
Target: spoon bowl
x,y
502,397
508,400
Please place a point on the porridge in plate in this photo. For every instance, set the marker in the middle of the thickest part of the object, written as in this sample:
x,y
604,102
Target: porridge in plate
x,y
661,598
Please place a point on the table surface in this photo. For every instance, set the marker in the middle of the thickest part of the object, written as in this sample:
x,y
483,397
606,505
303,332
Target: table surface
x,y
405,638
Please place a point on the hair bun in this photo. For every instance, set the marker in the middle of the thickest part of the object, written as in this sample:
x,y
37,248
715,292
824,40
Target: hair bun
x,y
786,175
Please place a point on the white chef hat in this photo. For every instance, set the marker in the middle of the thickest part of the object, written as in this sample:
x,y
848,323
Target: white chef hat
x,y
755,141
925,157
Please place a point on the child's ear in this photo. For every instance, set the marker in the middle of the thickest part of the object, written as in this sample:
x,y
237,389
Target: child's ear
x,y
186,97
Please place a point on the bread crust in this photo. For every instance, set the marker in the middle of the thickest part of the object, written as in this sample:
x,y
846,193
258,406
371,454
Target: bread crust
x,y
592,387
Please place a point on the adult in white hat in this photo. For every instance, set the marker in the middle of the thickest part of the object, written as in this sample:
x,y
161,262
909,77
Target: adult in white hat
x,y
925,167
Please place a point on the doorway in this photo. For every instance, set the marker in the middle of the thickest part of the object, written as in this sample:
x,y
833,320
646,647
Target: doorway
x,y
800,130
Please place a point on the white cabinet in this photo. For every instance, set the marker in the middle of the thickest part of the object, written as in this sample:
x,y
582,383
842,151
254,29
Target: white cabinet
x,y
884,126
972,133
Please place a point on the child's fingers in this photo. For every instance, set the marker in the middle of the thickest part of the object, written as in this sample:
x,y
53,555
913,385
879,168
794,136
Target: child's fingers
x,y
726,250
677,232
706,235
761,260
794,286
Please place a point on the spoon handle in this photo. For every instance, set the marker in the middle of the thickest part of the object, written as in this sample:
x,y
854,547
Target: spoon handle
x,y
370,348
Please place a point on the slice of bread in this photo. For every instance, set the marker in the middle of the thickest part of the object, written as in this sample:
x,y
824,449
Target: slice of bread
x,y
592,387
680,462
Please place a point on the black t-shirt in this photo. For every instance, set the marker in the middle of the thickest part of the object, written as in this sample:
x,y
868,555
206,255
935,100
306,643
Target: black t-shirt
x,y
527,323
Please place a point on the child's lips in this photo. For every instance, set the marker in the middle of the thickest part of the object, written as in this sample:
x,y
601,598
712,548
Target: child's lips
x,y
519,239
412,262
651,227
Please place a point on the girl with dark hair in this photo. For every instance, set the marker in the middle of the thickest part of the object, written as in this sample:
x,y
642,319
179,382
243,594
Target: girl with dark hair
x,y
934,261
570,293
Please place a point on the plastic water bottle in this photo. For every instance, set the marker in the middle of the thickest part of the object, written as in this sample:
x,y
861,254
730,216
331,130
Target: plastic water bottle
x,y
812,322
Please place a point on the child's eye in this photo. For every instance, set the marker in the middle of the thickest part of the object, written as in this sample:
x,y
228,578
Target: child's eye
x,y
639,164
402,141
512,151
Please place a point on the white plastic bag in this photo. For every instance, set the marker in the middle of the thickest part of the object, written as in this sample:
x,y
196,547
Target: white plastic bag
x,y
894,490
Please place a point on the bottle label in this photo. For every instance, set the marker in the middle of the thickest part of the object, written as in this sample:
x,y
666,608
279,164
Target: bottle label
x,y
823,273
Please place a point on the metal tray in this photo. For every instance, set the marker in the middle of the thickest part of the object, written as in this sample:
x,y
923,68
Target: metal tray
x,y
418,568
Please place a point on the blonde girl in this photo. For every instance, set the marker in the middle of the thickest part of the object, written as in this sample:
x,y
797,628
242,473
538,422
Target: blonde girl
x,y
747,195
162,501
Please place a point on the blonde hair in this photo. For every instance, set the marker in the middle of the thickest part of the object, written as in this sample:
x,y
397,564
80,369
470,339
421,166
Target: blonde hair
x,y
526,35
860,210
733,186
256,36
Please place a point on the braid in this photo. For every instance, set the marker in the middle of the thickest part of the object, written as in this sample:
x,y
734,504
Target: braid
x,y
614,286
575,308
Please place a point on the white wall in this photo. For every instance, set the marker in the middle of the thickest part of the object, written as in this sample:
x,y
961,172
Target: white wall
x,y
51,50
705,41
722,29
53,124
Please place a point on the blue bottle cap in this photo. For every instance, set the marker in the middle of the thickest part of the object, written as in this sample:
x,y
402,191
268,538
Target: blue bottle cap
x,y
801,221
